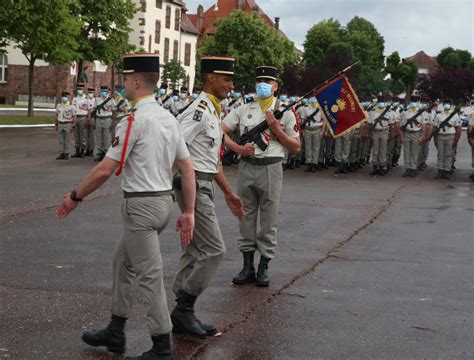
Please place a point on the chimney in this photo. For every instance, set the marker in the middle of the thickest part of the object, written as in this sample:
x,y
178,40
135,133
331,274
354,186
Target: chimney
x,y
277,23
200,18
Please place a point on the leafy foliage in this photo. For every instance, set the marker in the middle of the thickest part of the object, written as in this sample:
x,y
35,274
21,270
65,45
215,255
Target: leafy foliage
x,y
173,72
403,73
251,42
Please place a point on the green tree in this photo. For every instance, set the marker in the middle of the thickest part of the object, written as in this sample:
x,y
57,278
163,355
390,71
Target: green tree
x,y
455,59
251,42
368,47
173,72
105,30
42,30
403,73
319,38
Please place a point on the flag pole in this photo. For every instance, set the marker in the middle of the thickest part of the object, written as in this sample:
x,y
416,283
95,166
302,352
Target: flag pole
x,y
279,113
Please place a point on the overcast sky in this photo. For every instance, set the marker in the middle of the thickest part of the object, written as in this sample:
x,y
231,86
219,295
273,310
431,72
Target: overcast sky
x,y
406,25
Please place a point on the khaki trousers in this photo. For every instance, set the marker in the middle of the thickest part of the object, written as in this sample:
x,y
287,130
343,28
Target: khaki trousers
x,y
137,259
312,142
259,186
410,149
80,132
201,258
64,137
379,149
102,134
444,143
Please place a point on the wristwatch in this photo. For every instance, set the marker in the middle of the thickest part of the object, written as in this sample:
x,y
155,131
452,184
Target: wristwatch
x,y
74,196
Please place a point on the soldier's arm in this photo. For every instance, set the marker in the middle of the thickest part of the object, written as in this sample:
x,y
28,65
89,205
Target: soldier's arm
x,y
185,223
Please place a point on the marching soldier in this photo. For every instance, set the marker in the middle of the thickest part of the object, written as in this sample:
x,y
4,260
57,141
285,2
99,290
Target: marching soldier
x,y
121,109
260,173
81,105
201,128
64,123
103,110
90,124
427,119
447,131
162,96
313,130
148,143
181,103
379,127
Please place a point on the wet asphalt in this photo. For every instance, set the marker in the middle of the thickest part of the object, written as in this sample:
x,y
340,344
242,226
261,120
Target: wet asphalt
x,y
367,267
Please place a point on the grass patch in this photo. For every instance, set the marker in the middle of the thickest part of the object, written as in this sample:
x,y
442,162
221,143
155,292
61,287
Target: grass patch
x,y
12,106
25,120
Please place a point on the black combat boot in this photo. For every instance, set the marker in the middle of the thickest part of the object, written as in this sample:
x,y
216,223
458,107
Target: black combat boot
x,y
406,173
322,165
309,168
183,318
161,349
83,154
66,156
340,167
382,171
375,171
208,328
77,153
351,168
438,175
315,168
446,175
262,273
247,274
90,153
112,337
60,156
345,168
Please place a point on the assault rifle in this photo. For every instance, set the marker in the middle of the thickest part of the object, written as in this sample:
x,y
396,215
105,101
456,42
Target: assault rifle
x,y
445,122
413,120
381,117
180,111
310,118
100,107
120,103
235,100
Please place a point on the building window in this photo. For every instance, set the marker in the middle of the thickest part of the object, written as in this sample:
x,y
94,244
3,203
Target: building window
x,y
159,4
3,68
157,31
168,17
167,50
175,49
141,21
187,54
143,5
177,15
142,40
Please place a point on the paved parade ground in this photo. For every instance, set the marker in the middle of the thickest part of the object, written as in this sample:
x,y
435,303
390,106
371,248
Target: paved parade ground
x,y
367,267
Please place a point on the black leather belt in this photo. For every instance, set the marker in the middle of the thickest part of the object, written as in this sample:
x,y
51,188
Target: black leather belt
x,y
65,122
128,195
204,176
261,161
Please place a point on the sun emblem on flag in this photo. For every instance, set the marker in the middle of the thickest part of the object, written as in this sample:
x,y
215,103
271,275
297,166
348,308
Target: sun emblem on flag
x,y
339,105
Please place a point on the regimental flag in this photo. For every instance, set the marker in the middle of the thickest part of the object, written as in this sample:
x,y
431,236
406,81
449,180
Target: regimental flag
x,y
340,106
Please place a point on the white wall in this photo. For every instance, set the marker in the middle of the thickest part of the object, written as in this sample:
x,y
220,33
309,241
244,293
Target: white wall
x,y
16,57
153,14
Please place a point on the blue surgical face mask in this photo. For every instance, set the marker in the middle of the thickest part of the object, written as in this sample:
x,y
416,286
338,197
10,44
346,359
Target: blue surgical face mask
x,y
91,95
305,101
283,98
64,99
292,99
162,91
182,96
80,92
175,98
103,93
381,105
264,90
447,106
195,96
312,100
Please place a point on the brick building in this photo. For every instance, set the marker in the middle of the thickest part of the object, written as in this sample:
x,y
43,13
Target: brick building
x,y
426,64
204,21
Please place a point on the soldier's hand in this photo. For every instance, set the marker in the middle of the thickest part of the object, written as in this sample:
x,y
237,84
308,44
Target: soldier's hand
x,y
235,204
247,150
273,123
67,206
185,226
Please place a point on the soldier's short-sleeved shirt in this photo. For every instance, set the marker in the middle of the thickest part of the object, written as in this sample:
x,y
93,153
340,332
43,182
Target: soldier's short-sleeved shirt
x,y
450,128
66,112
178,105
250,115
201,128
317,119
107,110
81,104
414,126
394,116
155,143
382,124
91,102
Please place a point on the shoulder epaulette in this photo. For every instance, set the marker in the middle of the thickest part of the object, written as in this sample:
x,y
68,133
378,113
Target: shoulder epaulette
x,y
203,105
